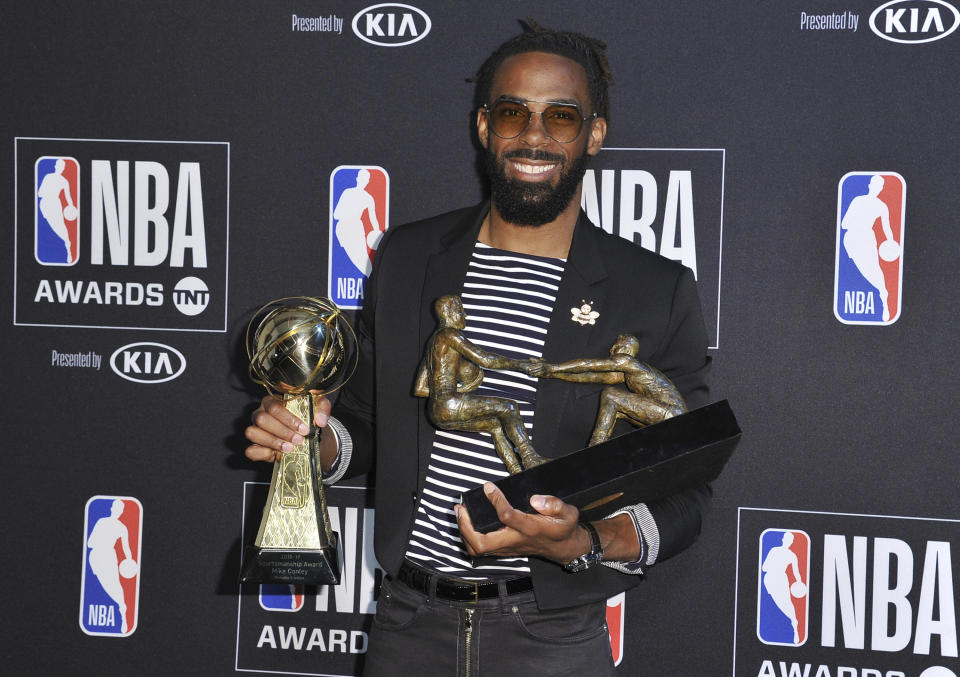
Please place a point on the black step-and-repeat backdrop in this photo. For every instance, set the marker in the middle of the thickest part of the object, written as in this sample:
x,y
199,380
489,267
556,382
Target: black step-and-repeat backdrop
x,y
171,166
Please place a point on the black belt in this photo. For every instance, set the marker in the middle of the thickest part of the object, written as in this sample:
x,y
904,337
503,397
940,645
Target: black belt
x,y
457,589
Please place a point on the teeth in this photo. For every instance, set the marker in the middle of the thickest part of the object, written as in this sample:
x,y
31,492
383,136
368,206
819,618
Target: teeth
x,y
533,169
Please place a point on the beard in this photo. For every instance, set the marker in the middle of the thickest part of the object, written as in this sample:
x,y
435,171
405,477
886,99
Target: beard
x,y
532,204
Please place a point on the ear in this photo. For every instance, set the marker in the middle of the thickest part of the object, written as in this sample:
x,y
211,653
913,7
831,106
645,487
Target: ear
x,y
598,132
482,132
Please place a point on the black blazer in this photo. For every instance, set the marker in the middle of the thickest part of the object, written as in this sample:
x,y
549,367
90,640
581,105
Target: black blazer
x,y
633,290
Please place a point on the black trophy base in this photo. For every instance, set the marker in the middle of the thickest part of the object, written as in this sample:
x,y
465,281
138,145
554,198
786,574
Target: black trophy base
x,y
278,565
646,464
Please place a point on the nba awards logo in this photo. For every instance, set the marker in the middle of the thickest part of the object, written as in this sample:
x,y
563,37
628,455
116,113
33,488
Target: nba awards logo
x,y
281,597
56,227
120,234
110,586
869,258
782,601
359,213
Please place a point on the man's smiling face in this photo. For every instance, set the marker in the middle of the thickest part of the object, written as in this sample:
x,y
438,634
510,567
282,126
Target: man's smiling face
x,y
533,177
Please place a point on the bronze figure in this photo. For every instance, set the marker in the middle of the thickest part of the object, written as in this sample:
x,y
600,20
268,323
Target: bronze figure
x,y
649,396
451,370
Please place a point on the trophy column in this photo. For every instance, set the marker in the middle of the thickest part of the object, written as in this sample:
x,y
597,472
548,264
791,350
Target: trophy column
x,y
295,543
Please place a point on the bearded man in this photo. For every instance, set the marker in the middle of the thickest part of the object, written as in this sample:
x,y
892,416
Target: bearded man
x,y
528,598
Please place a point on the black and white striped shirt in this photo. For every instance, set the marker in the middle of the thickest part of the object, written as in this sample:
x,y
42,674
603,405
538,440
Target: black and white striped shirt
x,y
508,298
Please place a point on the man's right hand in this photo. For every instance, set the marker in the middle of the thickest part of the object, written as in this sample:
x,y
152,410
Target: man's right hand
x,y
275,429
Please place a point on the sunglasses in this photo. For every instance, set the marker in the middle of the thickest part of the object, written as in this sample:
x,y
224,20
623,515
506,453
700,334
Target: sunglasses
x,y
509,118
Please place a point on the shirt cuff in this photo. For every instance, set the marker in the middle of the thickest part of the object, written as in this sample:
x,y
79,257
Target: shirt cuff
x,y
647,534
344,452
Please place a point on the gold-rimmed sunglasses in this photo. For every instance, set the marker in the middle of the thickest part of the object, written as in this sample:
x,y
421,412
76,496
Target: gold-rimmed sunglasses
x,y
509,118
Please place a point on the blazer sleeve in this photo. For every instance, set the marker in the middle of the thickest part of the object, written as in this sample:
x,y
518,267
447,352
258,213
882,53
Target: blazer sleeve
x,y
682,356
355,406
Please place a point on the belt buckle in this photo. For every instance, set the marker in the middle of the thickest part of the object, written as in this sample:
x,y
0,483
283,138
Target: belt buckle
x,y
476,593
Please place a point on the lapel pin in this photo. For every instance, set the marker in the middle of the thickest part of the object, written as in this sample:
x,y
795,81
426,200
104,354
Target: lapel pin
x,y
585,314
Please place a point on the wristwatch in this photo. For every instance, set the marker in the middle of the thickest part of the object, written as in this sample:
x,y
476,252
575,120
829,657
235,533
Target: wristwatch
x,y
592,558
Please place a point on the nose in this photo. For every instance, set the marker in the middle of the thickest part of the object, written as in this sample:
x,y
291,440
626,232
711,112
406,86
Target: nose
x,y
535,133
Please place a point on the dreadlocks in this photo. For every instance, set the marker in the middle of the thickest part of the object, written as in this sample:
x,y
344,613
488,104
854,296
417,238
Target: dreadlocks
x,y
586,51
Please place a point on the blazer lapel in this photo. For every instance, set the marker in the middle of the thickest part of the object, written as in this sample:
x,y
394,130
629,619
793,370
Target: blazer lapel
x,y
567,339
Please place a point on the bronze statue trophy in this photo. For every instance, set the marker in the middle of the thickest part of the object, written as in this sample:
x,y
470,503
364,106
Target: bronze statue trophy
x,y
297,348
451,370
672,450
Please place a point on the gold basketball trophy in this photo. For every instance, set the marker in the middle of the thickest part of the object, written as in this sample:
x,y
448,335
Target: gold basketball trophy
x,y
297,348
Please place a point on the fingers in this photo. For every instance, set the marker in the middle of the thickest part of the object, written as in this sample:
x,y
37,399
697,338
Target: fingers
x,y
274,429
551,506
503,542
321,410
548,533
255,452
505,512
274,417
467,533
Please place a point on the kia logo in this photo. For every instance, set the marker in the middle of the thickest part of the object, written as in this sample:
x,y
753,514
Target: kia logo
x,y
914,21
147,362
391,24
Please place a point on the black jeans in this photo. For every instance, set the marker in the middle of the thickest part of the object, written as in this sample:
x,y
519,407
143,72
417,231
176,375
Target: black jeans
x,y
419,635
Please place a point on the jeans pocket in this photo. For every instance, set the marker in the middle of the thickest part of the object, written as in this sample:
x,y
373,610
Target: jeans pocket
x,y
398,607
562,626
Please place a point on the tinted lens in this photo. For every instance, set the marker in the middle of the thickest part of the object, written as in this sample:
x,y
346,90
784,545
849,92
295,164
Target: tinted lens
x,y
508,119
562,122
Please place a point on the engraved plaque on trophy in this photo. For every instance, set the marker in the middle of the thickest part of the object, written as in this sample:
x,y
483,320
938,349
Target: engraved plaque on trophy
x,y
297,348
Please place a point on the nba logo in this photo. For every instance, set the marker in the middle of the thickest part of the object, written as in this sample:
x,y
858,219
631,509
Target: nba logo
x,y
57,211
281,597
783,604
110,586
869,260
359,213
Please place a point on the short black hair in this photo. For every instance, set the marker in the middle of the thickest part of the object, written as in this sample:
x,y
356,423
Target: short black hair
x,y
586,51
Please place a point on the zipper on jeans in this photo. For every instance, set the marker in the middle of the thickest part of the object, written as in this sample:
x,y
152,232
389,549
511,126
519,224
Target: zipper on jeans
x,y
468,640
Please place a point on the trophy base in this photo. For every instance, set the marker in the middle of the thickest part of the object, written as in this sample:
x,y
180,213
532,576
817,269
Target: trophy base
x,y
646,464
282,565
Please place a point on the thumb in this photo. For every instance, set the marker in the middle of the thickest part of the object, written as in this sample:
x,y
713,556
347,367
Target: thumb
x,y
546,505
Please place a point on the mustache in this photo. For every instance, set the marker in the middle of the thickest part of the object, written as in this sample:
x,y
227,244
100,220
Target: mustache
x,y
535,155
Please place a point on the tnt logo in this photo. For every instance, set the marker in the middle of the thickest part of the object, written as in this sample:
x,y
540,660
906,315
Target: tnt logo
x,y
110,586
869,258
359,212
281,597
782,601
57,216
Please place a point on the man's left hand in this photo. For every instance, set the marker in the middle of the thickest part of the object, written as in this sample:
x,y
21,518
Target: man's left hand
x,y
552,533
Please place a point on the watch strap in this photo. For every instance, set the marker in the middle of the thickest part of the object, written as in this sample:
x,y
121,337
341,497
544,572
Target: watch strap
x,y
589,559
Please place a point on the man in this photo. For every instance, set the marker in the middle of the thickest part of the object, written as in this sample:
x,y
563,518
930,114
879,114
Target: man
x,y
525,599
